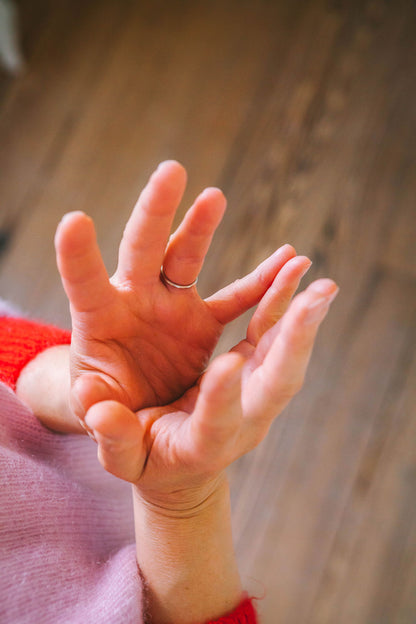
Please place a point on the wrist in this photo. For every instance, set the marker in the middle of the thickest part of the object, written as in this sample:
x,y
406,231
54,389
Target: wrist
x,y
178,502
186,555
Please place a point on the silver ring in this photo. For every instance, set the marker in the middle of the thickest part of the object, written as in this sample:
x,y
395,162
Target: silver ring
x,y
166,280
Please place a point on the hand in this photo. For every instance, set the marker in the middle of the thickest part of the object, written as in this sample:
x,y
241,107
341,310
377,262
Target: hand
x,y
175,455
137,340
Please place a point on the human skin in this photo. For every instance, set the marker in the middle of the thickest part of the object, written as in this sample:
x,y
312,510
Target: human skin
x,y
130,340
171,429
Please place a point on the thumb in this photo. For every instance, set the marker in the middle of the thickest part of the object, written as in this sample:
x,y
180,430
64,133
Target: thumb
x,y
88,389
120,438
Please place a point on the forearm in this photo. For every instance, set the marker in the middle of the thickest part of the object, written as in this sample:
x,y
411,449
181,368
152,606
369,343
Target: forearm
x,y
44,385
187,559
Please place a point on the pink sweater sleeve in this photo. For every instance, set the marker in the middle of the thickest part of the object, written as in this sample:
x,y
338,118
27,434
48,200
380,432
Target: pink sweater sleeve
x,y
20,341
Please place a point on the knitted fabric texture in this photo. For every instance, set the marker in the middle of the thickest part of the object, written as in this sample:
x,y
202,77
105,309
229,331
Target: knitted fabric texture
x,y
66,526
20,341
244,614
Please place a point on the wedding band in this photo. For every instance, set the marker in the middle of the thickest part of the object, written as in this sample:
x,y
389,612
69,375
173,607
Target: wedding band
x,y
166,280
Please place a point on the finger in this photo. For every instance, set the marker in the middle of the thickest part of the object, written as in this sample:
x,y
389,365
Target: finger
x,y
188,246
282,372
84,276
238,297
147,231
276,300
91,388
218,413
120,439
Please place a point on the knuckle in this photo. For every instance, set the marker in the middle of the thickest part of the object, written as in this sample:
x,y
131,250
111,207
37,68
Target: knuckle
x,y
283,390
237,293
263,277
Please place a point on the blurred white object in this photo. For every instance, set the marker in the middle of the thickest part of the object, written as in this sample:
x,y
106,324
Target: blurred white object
x,y
10,55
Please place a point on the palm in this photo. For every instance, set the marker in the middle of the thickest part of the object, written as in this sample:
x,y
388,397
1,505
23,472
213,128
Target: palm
x,y
159,346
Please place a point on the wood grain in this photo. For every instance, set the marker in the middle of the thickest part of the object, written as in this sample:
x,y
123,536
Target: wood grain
x,y
303,112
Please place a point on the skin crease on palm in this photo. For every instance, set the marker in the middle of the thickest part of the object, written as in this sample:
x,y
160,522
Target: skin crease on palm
x,y
140,345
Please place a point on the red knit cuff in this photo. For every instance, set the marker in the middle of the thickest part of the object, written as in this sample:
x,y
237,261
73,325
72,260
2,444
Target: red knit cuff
x,y
245,613
21,340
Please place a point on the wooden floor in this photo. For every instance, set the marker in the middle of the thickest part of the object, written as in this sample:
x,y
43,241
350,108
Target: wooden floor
x,y
304,112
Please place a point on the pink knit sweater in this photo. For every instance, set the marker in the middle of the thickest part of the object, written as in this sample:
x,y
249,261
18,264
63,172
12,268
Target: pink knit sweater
x,y
67,546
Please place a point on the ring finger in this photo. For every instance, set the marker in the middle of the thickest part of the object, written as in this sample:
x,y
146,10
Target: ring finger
x,y
188,245
277,299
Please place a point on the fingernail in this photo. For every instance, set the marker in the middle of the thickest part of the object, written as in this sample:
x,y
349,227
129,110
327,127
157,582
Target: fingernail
x,y
324,286
317,310
68,215
76,405
91,435
306,269
286,248
87,429
65,217
167,163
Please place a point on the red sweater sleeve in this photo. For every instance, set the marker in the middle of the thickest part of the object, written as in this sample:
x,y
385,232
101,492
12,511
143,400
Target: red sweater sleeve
x,y
243,614
21,340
